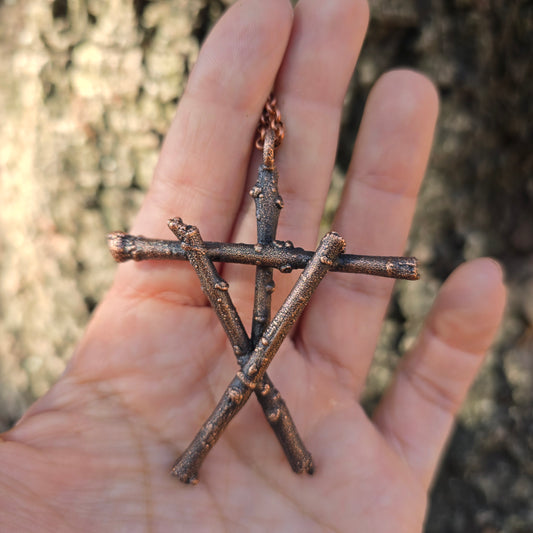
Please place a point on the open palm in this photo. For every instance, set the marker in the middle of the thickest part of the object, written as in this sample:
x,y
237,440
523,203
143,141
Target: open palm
x,y
94,454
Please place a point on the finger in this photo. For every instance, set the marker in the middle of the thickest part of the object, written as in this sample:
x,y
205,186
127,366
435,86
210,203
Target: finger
x,y
378,203
417,413
325,42
204,159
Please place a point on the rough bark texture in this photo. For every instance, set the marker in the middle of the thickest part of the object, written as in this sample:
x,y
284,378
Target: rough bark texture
x,y
87,90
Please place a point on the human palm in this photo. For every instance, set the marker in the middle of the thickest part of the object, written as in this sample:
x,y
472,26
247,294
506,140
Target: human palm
x,y
94,453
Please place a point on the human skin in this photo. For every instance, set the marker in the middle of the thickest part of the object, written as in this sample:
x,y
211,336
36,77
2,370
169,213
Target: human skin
x,y
94,453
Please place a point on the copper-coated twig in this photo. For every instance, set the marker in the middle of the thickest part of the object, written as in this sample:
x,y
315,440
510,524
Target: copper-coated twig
x,y
268,204
187,466
280,254
216,290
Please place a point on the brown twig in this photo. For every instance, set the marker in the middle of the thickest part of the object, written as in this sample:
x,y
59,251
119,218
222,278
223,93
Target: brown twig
x,y
187,466
268,204
281,255
216,290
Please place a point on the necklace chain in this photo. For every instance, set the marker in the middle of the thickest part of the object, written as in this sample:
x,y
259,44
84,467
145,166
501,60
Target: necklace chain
x,y
270,120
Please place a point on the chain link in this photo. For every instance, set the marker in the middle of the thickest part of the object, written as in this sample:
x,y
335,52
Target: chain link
x,y
270,120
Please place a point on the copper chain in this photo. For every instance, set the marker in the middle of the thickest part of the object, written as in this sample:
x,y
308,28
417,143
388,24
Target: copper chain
x,y
270,120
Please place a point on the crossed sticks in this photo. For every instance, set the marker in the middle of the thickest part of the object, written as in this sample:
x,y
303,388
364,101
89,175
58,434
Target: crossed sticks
x,y
255,354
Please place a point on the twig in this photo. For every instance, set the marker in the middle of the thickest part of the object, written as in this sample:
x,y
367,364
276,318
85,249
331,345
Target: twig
x,y
216,290
280,254
268,204
187,466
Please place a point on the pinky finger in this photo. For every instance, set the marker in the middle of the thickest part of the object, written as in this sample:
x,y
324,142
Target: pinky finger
x,y
417,413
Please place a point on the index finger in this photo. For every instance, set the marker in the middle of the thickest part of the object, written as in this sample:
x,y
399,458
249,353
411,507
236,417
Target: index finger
x,y
204,159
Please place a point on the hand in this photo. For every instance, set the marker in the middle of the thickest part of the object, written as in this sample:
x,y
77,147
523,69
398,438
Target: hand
x,y
94,454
